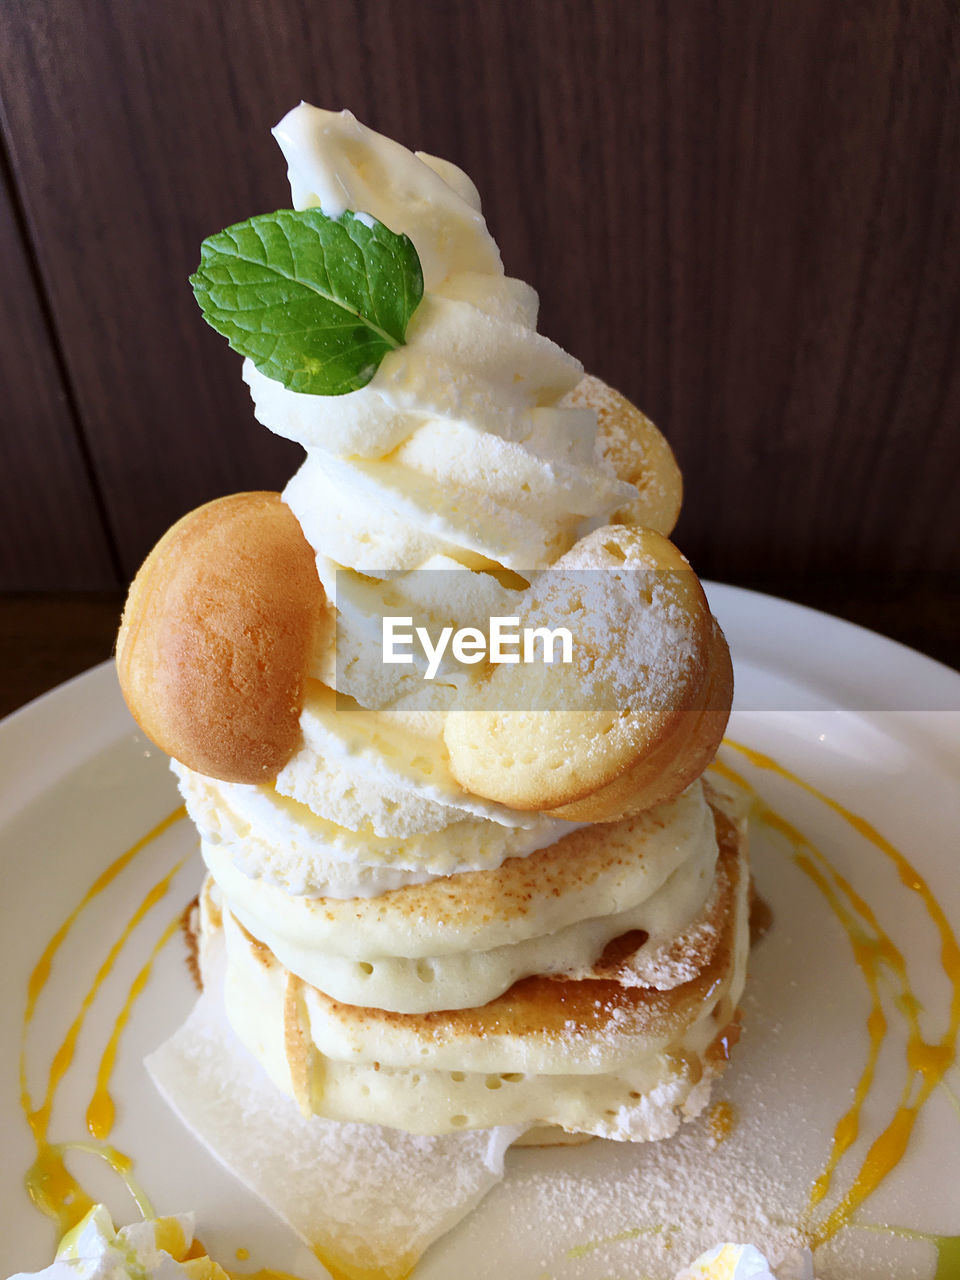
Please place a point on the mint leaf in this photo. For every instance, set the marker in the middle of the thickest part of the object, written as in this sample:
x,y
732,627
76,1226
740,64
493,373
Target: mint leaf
x,y
315,302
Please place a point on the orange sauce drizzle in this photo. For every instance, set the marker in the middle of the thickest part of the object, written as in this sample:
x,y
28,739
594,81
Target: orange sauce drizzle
x,y
721,1120
54,1190
39,1119
947,1247
875,954
264,1273
50,1185
101,1112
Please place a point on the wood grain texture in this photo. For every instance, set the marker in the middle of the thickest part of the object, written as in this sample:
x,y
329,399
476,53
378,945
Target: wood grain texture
x,y
743,215
53,533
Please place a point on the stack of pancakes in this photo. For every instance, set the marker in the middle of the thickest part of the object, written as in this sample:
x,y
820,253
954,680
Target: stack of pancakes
x,y
473,911
610,1024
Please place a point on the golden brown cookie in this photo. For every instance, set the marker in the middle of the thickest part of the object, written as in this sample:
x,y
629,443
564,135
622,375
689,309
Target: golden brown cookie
x,y
216,635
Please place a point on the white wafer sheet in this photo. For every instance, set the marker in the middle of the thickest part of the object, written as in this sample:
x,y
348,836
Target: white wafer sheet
x,y
364,1198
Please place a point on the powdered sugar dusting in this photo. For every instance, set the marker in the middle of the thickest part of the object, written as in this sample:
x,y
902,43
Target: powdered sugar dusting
x,y
634,637
643,1211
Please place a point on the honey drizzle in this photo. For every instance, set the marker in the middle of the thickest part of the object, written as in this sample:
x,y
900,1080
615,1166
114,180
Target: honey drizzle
x,y
927,1062
50,1185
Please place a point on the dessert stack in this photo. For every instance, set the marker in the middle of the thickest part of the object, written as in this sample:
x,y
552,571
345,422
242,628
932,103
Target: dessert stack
x,y
451,894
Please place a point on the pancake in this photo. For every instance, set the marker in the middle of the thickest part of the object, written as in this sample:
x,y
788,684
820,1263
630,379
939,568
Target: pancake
x,y
593,1055
593,871
684,904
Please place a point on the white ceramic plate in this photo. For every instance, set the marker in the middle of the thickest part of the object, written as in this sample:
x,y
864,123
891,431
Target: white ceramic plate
x,y
873,725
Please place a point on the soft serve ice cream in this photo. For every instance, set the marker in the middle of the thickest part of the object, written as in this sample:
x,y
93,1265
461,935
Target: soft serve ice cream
x,y
460,450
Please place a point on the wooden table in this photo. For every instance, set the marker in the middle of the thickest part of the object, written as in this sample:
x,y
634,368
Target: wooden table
x,y
742,215
46,639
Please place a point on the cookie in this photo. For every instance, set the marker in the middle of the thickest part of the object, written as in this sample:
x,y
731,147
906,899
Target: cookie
x,y
216,637
638,453
633,718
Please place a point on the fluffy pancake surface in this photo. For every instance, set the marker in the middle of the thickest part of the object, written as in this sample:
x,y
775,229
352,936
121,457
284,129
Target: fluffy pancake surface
x,y
591,871
462,940
596,1054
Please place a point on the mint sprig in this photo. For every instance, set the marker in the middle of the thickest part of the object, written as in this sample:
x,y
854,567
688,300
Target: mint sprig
x,y
315,302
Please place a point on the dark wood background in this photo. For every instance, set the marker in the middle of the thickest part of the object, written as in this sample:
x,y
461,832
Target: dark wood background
x,y
744,213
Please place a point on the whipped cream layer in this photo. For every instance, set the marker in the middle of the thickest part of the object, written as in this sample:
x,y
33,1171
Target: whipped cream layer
x,y
271,838
385,769
730,1261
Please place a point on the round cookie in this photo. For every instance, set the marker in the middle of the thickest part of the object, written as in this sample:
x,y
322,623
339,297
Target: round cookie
x,y
636,715
216,636
686,749
638,453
